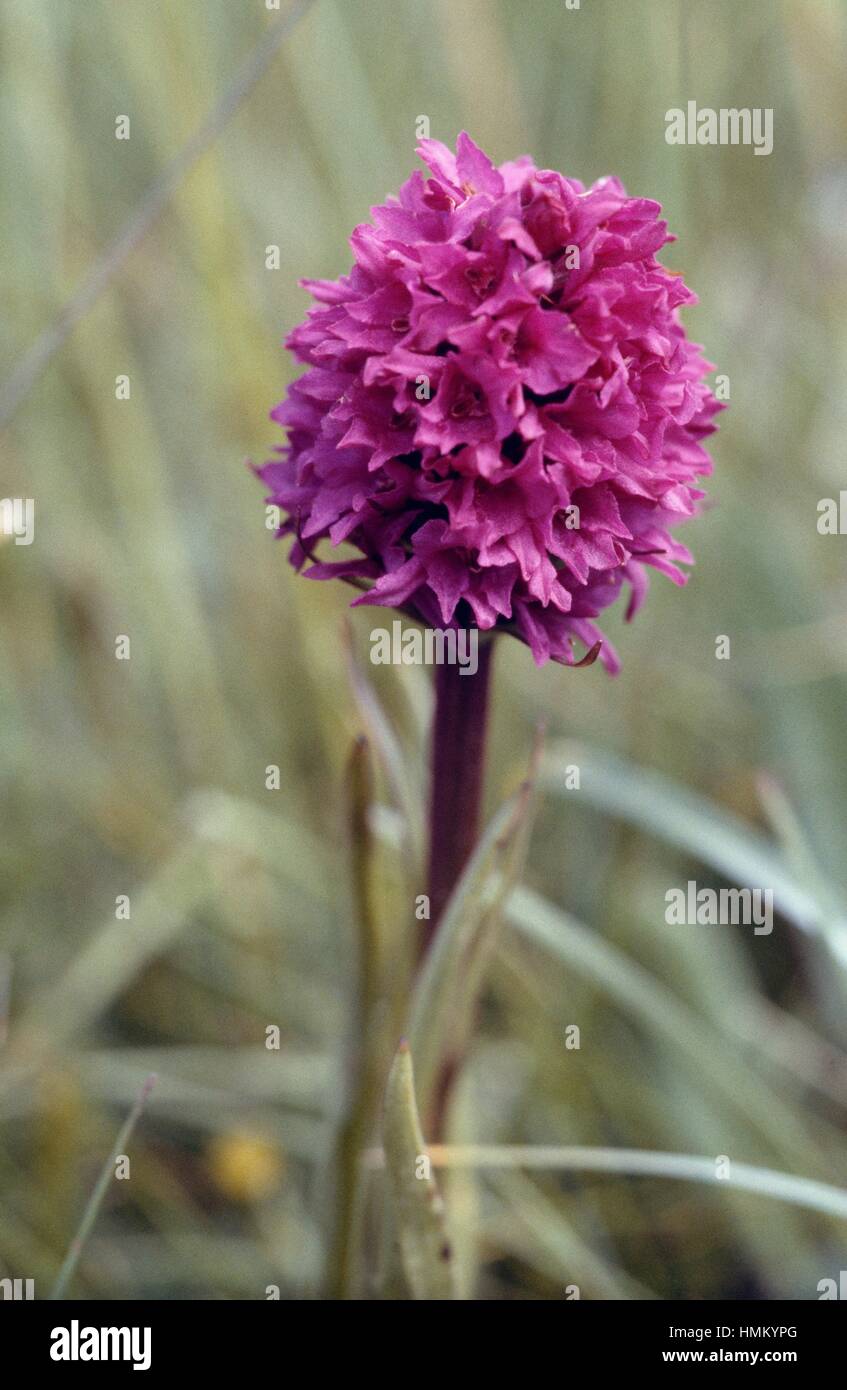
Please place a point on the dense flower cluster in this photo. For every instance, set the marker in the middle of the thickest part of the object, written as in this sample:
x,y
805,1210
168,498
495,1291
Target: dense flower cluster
x,y
502,413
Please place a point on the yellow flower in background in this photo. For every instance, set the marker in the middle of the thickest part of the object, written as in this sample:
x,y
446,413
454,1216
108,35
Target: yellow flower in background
x,y
244,1167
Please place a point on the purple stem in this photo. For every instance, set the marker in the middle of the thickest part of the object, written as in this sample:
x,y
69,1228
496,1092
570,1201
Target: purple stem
x,y
458,765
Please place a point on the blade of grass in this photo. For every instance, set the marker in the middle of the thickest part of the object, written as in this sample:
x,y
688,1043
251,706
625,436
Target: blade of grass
x,y
764,1182
658,1009
552,1244
110,960
95,1201
709,833
35,361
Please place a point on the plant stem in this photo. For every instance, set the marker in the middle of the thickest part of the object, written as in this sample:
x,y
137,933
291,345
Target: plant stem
x,y
458,765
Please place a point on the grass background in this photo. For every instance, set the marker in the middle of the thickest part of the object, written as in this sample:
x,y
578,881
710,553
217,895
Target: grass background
x,y
147,777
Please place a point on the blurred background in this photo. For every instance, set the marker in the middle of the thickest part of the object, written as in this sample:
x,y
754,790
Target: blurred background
x,y
145,778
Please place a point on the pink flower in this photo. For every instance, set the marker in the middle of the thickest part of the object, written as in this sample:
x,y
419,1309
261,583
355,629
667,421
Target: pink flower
x,y
502,416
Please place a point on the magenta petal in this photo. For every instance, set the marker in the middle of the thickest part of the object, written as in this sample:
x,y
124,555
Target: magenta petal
x,y
476,169
395,588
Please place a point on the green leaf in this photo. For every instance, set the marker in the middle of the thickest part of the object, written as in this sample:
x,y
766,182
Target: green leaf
x,y
453,970
419,1211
